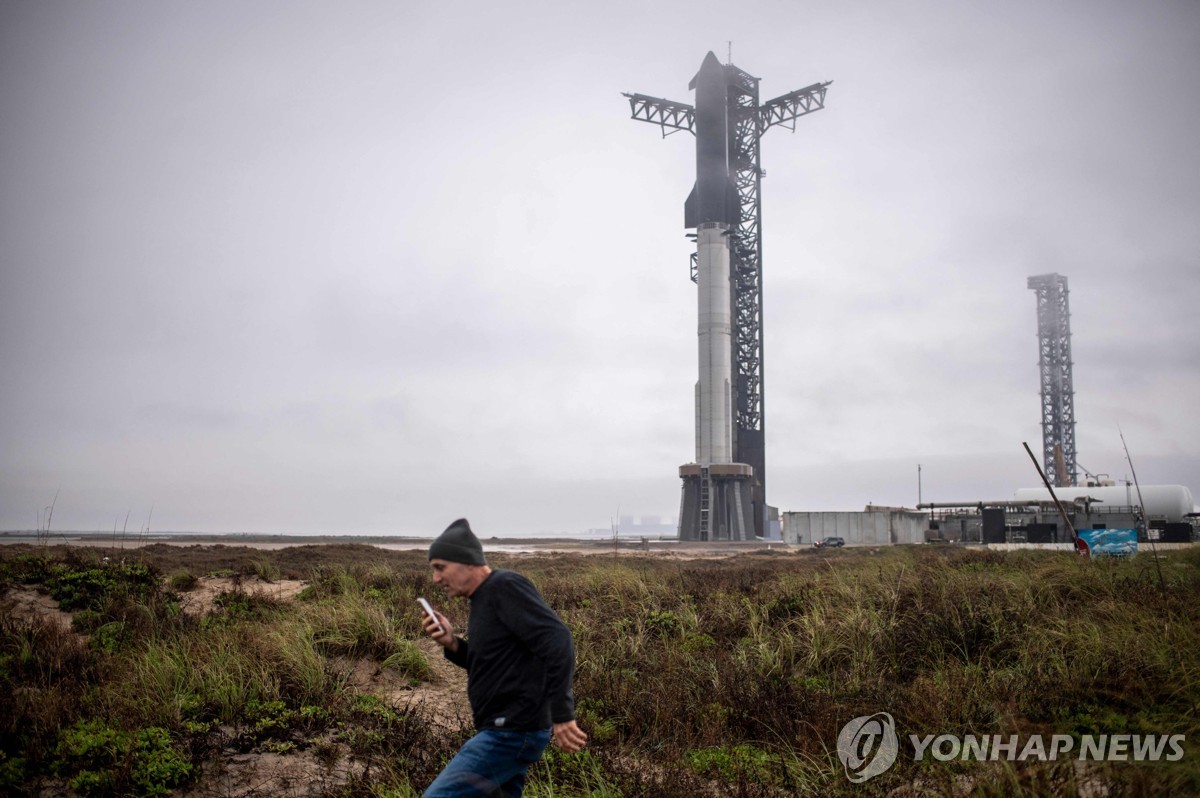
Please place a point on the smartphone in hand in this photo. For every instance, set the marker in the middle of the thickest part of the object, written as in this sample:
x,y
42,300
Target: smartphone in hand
x,y
425,605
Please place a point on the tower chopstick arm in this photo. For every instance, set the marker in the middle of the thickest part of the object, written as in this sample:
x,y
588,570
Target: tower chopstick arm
x,y
787,109
667,114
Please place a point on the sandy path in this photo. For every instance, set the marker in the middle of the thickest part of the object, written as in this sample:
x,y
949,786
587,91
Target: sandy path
x,y
199,600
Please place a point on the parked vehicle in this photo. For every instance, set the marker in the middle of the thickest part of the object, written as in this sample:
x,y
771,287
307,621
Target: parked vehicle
x,y
831,542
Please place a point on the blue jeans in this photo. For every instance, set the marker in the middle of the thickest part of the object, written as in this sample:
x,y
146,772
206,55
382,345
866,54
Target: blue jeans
x,y
491,764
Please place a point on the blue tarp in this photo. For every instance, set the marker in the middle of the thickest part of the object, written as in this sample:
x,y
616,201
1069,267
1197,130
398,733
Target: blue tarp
x,y
1110,542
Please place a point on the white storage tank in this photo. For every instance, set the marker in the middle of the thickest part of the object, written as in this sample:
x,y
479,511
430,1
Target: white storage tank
x,y
1169,502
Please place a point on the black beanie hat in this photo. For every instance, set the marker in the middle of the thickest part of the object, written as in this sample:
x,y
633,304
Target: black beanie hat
x,y
458,544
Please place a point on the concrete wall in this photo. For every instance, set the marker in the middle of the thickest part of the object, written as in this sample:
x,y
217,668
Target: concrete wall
x,y
874,528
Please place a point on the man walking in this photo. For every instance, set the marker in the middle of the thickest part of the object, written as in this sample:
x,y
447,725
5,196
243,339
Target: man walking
x,y
520,662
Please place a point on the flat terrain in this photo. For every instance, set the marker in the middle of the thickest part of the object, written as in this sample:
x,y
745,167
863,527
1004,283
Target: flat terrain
x,y
209,669
530,545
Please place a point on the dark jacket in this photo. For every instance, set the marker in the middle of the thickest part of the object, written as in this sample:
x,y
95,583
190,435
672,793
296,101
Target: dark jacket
x,y
519,659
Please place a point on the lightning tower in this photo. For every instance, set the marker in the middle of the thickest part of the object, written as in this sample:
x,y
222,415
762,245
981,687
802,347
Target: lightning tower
x,y
724,490
1054,365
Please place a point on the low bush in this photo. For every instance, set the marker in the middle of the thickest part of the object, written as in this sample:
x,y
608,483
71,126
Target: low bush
x,y
98,759
700,677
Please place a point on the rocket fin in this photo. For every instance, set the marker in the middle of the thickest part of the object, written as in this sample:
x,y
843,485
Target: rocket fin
x,y
691,210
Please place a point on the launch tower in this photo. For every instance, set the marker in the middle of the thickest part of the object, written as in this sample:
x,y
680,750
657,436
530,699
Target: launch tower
x,y
1054,364
724,490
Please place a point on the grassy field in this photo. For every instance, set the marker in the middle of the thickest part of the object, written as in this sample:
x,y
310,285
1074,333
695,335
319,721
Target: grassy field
x,y
701,677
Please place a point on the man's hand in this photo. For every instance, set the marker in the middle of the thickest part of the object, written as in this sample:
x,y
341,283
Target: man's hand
x,y
444,638
568,736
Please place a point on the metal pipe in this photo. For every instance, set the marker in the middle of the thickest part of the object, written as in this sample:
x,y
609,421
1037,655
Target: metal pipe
x,y
977,503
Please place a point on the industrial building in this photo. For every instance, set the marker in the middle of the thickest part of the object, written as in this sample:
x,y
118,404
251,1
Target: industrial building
x,y
1033,516
876,526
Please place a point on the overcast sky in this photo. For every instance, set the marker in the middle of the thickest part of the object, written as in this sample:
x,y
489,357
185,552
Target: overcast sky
x,y
366,267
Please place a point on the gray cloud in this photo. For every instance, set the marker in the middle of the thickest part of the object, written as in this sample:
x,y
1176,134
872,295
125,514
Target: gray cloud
x,y
298,268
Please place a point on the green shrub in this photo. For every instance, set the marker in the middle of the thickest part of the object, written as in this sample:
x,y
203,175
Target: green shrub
x,y
182,580
269,717
88,589
735,764
12,772
157,765
102,760
235,606
111,637
662,623
28,569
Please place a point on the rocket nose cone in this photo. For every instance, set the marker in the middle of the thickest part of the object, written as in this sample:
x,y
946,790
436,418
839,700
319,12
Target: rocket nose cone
x,y
710,68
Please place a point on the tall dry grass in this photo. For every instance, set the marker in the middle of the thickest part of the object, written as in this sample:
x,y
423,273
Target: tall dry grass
x,y
730,677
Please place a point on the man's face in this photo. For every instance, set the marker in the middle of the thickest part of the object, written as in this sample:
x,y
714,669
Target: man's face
x,y
456,578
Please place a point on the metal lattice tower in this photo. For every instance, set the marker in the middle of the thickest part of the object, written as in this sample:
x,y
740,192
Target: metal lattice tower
x,y
1054,366
746,122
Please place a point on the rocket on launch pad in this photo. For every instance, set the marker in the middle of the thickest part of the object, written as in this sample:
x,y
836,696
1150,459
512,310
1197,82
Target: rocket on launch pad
x,y
724,490
716,502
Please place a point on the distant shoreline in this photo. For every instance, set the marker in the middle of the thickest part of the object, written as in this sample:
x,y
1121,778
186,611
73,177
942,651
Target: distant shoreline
x,y
562,544
25,536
